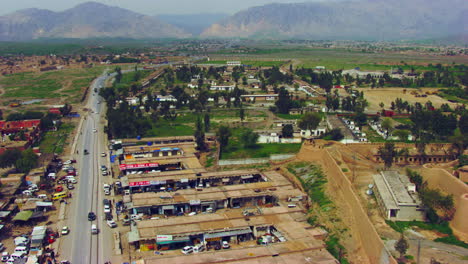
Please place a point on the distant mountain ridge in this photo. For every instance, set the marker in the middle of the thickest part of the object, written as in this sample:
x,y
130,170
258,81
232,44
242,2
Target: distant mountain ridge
x,y
192,23
87,20
355,20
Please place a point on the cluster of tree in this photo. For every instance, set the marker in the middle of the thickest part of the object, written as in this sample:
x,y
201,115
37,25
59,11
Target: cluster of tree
x,y
185,74
354,103
325,80
439,76
334,134
432,199
23,161
429,124
275,76
24,116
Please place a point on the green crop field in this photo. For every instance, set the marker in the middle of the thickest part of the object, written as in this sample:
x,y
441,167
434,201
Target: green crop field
x,y
67,83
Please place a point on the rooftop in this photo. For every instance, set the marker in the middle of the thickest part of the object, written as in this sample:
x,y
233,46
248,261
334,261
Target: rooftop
x,y
393,189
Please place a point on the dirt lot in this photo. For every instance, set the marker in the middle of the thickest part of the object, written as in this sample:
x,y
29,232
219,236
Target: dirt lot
x,y
388,95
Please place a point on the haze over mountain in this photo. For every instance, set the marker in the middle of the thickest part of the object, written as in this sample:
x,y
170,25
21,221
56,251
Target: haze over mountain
x,y
192,23
88,20
355,20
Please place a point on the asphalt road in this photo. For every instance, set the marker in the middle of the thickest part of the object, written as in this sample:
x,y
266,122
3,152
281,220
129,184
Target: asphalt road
x,y
80,246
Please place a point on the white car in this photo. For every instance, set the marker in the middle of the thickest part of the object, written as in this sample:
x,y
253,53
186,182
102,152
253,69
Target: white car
x,y
107,192
107,209
111,223
94,130
103,154
5,256
187,250
65,230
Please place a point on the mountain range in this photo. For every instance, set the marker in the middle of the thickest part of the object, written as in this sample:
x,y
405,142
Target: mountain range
x,y
87,20
355,20
345,19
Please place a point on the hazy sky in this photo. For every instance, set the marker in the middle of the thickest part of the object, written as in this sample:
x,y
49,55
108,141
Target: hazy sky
x,y
149,7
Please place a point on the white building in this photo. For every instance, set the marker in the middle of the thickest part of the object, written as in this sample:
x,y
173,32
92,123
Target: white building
x,y
233,63
222,87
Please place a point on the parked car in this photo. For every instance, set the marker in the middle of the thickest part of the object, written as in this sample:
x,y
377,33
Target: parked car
x,y
72,181
70,187
226,245
5,256
103,167
199,248
107,192
59,188
2,247
187,250
103,154
91,216
65,230
111,223
109,216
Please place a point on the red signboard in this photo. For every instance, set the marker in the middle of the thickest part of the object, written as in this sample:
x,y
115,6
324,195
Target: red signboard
x,y
141,183
138,166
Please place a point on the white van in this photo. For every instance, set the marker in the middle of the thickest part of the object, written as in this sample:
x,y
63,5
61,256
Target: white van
x,y
94,229
21,250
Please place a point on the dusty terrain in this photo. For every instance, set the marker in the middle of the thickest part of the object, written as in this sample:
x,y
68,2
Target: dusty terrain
x,y
389,95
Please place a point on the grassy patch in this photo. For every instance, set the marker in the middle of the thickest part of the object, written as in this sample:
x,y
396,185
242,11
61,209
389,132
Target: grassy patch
x,y
55,141
452,240
260,151
164,129
404,121
288,116
443,228
250,63
400,226
43,85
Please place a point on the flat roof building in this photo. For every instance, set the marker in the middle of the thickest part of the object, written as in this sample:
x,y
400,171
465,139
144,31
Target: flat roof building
x,y
397,197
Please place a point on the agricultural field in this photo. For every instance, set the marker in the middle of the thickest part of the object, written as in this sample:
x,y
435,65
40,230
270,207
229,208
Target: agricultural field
x,y
62,85
340,58
389,95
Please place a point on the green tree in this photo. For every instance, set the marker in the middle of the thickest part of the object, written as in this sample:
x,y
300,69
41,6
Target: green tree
x,y
402,246
463,124
207,122
9,158
387,124
249,138
242,114
310,121
287,131
284,101
200,135
27,162
223,134
388,153
402,134
360,119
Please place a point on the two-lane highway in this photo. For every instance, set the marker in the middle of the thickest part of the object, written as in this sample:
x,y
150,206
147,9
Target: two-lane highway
x,y
80,246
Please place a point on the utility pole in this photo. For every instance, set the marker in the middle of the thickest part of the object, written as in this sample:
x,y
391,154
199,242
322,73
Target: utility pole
x,y
419,251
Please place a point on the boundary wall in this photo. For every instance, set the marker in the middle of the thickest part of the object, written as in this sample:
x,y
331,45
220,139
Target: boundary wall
x,y
360,224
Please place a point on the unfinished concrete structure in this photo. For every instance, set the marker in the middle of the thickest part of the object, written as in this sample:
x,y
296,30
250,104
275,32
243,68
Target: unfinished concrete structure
x,y
397,197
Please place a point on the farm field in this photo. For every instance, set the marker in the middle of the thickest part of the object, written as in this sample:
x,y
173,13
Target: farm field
x,y
388,95
63,86
336,59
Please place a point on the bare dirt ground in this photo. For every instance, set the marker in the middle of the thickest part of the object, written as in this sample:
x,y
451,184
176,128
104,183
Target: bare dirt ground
x,y
389,95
